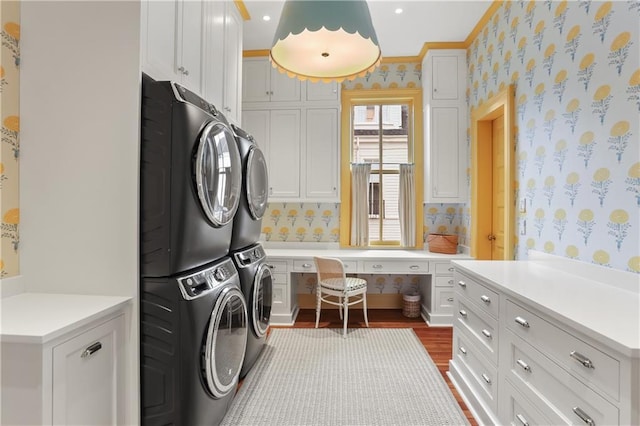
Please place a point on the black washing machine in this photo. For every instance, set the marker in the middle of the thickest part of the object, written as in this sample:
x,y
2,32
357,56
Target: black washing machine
x,y
257,287
190,180
193,334
247,222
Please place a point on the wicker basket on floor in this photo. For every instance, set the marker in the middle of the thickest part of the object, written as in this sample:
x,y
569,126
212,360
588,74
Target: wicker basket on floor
x,y
443,243
411,305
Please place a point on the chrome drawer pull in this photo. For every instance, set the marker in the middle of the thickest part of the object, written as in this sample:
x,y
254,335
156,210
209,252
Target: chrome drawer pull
x,y
378,266
486,333
414,267
306,265
450,299
582,359
450,282
463,350
522,420
91,350
524,365
486,378
463,313
584,416
485,299
462,284
451,269
523,322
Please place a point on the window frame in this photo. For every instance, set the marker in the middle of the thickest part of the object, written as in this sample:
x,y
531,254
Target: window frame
x,y
413,98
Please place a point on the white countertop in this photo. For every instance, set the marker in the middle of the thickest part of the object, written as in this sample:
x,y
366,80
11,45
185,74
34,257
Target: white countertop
x,y
594,307
359,254
41,317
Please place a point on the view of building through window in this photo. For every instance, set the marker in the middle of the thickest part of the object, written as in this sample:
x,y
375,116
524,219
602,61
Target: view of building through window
x,y
381,136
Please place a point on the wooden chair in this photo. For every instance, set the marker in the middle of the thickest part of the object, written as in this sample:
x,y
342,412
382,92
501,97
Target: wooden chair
x,y
334,284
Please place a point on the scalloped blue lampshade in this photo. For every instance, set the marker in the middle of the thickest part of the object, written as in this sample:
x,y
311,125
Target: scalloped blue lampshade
x,y
325,40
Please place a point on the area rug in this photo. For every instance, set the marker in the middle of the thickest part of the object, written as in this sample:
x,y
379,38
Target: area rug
x,y
316,377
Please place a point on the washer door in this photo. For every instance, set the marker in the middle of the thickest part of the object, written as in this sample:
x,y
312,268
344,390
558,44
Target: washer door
x,y
261,300
257,183
218,173
226,342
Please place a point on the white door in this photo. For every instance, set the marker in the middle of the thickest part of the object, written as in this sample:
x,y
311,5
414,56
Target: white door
x,y
321,165
284,154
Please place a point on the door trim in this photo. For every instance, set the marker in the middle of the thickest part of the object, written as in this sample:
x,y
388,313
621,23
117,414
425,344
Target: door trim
x,y
502,104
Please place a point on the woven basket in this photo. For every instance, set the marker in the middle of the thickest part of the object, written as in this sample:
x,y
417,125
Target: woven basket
x,y
443,243
411,305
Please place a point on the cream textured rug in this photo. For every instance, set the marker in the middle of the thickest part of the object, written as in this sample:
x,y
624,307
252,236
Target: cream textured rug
x,y
375,376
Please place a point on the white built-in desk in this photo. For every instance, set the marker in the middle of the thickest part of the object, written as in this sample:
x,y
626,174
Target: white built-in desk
x,y
434,269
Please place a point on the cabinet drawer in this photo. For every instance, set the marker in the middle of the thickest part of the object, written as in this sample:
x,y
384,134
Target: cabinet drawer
x,y
443,281
518,410
443,268
305,265
280,301
485,377
587,362
481,326
404,267
279,278
444,300
277,265
560,395
487,299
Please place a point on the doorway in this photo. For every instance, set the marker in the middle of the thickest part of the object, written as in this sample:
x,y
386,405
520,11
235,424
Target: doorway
x,y
492,178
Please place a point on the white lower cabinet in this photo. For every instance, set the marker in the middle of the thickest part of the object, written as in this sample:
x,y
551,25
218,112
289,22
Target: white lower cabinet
x,y
438,296
284,308
76,378
520,363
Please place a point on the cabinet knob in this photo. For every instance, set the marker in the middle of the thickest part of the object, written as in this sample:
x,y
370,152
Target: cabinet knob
x,y
485,299
463,313
486,333
451,269
306,265
450,299
491,237
414,267
462,284
378,266
462,350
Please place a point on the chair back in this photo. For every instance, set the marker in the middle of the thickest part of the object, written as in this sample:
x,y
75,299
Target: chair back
x,y
329,268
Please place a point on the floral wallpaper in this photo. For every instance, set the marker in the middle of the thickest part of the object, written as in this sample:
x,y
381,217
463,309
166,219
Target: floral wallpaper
x,y
575,67
302,222
10,152
400,75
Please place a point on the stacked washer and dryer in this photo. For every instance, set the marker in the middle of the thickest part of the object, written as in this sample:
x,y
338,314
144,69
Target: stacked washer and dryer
x,y
194,322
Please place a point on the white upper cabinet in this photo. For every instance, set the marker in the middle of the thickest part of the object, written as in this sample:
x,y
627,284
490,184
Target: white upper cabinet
x,y
263,83
232,101
213,89
321,156
172,41
445,126
323,91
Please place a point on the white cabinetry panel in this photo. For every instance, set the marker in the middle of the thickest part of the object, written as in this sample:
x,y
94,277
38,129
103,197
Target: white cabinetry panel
x,y
263,83
321,156
232,81
444,77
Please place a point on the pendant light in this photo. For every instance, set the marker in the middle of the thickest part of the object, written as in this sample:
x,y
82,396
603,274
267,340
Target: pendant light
x,y
325,40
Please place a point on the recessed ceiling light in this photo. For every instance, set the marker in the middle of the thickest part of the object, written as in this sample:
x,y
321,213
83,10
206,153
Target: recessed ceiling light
x,y
398,11
266,18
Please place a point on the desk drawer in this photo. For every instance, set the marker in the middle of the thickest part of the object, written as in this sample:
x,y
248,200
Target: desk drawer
x,y
601,369
305,265
560,395
487,299
399,266
443,268
481,326
444,300
277,265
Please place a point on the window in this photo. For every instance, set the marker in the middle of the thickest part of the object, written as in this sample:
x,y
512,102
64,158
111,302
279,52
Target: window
x,y
384,131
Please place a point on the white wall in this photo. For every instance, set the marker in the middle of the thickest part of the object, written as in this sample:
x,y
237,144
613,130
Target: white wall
x,y
80,108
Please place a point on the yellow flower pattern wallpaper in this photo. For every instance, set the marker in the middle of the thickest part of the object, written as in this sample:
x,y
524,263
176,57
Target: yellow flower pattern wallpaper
x,y
395,75
576,70
10,152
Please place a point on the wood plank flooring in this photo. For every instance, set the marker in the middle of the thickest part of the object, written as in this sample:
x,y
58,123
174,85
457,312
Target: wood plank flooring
x,y
436,340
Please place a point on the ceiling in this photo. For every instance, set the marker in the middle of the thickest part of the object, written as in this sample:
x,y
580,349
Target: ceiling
x,y
399,34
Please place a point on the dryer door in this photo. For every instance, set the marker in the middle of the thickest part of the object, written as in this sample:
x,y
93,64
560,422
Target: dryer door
x,y
218,173
257,184
261,300
226,342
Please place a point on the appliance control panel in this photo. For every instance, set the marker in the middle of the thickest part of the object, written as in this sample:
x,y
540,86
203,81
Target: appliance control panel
x,y
201,283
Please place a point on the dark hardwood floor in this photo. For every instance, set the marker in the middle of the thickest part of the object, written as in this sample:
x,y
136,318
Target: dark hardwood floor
x,y
436,340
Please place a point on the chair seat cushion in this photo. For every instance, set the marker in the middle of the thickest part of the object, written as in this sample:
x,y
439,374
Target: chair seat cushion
x,y
352,283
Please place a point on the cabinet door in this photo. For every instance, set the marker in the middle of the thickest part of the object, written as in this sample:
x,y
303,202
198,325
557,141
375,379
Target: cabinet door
x,y
283,87
322,91
256,77
321,166
159,39
232,64
257,124
213,48
284,154
443,155
87,373
444,77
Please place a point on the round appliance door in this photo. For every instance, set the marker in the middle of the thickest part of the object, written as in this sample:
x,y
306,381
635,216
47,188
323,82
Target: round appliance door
x,y
257,183
261,300
218,173
226,342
